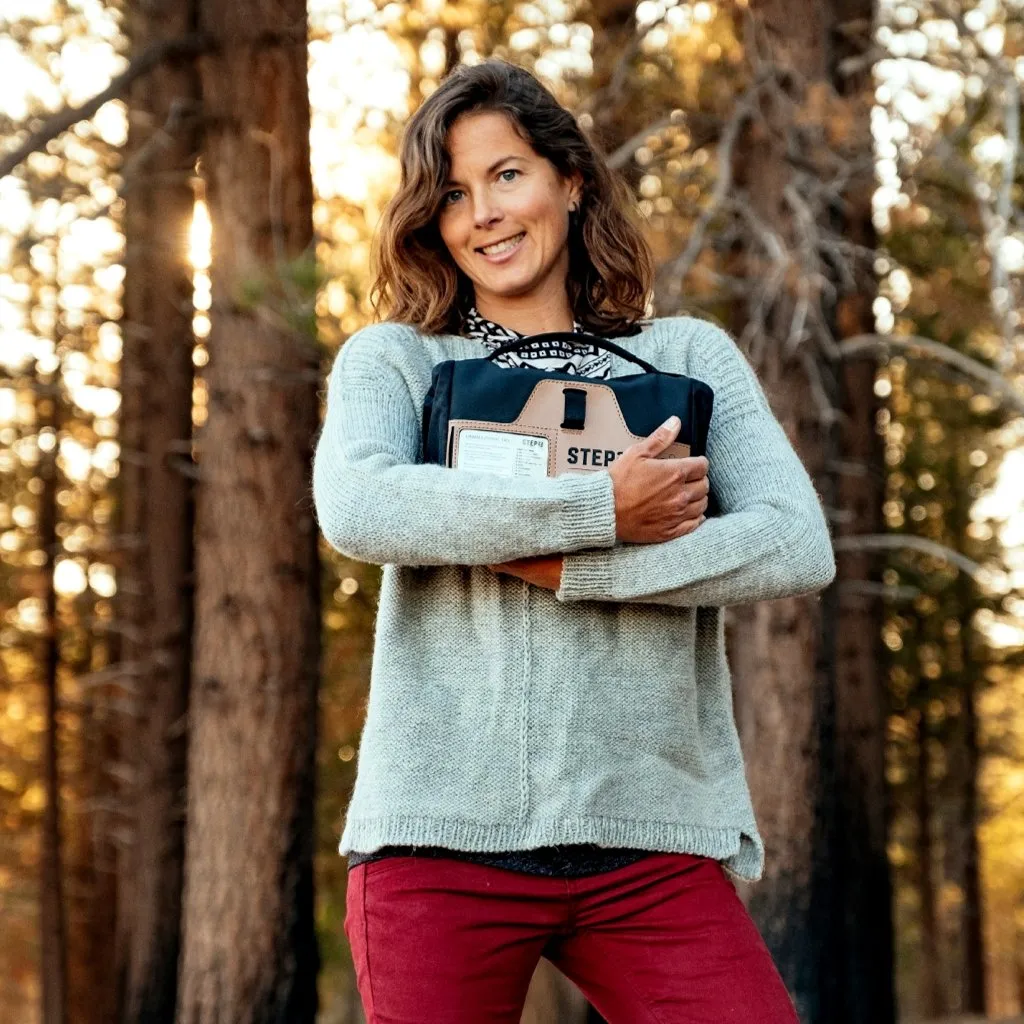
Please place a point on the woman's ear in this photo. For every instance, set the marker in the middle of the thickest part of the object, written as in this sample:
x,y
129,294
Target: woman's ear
x,y
576,190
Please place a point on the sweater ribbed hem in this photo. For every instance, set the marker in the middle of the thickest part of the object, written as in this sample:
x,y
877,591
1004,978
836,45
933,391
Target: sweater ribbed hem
x,y
739,848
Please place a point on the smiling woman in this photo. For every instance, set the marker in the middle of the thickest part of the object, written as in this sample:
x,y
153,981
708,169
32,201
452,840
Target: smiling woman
x,y
549,763
491,157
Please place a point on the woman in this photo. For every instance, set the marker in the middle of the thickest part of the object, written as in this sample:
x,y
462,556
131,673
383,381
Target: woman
x,y
549,764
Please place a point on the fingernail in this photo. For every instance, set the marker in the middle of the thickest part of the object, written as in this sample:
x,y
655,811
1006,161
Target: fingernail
x,y
671,422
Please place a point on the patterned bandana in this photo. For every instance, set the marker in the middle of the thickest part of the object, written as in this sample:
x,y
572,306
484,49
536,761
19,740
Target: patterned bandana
x,y
563,356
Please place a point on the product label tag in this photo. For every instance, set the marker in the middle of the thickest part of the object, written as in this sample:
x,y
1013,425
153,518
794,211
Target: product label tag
x,y
501,452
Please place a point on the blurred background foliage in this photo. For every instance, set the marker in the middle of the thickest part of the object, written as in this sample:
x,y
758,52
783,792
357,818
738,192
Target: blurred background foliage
x,y
658,85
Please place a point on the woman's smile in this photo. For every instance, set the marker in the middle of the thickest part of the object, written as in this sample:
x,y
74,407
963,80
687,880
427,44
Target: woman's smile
x,y
503,251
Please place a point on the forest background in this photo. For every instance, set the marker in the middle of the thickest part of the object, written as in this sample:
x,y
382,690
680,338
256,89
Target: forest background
x,y
187,196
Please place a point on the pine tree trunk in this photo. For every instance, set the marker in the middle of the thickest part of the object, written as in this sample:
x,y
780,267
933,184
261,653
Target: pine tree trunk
x,y
965,830
249,949
973,930
53,928
91,867
866,990
931,973
862,795
784,699
156,512
783,707
809,694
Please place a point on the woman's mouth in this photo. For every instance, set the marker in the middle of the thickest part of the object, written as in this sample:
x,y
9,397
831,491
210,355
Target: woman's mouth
x,y
503,250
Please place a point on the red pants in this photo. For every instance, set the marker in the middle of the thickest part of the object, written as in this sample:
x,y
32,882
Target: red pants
x,y
666,940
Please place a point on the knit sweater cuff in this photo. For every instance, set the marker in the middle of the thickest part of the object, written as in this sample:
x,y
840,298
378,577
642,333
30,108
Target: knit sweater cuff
x,y
588,515
585,575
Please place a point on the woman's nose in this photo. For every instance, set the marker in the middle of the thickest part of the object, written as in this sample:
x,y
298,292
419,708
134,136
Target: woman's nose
x,y
485,211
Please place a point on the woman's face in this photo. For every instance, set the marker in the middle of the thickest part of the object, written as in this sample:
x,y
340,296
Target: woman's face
x,y
501,193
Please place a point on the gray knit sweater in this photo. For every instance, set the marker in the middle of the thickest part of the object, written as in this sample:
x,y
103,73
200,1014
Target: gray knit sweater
x,y
572,860
504,716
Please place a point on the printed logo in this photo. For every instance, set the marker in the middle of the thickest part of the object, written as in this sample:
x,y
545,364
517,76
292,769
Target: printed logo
x,y
596,456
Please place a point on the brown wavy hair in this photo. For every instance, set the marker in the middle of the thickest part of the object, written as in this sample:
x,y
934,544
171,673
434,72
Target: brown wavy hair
x,y
611,268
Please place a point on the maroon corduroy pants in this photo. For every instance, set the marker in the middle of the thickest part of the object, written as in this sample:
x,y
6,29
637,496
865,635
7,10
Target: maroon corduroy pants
x,y
665,940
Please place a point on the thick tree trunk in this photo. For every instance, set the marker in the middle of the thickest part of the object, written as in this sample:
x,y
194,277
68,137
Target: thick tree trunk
x,y
810,700
864,902
784,698
249,949
155,600
783,701
864,897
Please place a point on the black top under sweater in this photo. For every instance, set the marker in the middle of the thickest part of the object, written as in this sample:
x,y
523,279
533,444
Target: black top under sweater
x,y
573,860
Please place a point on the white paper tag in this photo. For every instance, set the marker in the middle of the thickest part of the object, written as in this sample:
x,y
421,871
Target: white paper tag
x,y
497,451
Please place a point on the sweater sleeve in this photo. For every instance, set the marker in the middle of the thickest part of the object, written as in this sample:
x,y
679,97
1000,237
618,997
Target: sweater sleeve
x,y
377,503
771,539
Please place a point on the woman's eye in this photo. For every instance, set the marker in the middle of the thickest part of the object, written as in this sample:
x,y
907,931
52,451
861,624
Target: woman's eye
x,y
449,197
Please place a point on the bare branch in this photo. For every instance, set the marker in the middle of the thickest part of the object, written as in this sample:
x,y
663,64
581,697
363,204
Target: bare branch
x,y
744,107
605,99
914,345
170,49
181,113
827,412
620,156
868,588
897,541
147,61
120,672
185,467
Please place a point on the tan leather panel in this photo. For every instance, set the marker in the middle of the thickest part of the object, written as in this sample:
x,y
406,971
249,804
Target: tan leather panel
x,y
595,447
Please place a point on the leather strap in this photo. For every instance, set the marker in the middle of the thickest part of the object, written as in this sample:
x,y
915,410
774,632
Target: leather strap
x,y
575,408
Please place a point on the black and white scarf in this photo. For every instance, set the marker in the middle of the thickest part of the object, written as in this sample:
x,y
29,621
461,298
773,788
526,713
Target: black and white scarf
x,y
584,360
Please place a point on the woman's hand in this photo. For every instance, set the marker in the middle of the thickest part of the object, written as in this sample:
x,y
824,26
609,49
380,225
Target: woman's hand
x,y
658,499
540,570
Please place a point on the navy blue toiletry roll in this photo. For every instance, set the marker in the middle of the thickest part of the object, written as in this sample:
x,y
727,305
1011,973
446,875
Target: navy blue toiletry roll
x,y
522,421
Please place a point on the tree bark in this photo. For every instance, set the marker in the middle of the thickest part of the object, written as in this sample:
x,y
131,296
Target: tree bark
x,y
249,949
53,927
930,976
973,928
809,696
91,871
784,697
783,705
864,898
965,830
156,510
